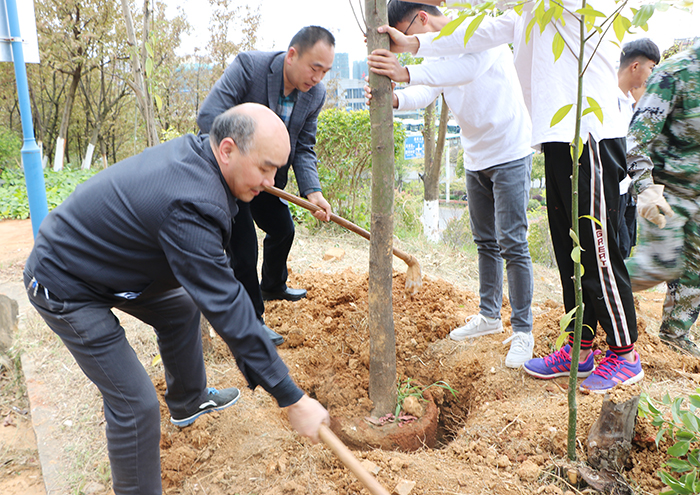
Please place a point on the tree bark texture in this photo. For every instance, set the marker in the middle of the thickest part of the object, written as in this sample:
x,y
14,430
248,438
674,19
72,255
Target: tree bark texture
x,y
431,179
382,361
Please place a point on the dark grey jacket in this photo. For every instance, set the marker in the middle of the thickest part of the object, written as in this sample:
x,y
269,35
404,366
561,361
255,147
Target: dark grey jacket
x,y
151,223
257,77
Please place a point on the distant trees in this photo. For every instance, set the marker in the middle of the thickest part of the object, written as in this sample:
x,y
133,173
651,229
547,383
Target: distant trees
x,y
88,101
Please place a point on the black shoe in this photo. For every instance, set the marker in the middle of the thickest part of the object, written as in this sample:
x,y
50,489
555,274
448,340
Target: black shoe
x,y
287,294
216,401
276,338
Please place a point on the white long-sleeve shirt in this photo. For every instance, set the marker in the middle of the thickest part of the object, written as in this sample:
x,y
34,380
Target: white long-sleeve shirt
x,y
547,86
483,92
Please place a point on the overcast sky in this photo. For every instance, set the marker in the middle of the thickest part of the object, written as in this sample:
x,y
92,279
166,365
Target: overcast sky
x,y
281,19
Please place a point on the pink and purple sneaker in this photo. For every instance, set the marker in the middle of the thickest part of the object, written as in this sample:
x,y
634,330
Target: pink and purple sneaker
x,y
559,364
612,371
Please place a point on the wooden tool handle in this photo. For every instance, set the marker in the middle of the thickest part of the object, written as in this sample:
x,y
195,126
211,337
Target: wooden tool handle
x,y
334,218
350,461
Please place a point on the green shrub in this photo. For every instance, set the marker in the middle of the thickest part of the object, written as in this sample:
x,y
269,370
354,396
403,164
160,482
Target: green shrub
x,y
458,232
683,429
10,149
59,185
539,240
408,209
533,204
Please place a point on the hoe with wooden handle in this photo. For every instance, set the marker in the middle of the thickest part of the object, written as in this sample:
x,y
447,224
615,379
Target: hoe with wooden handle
x,y
350,461
414,280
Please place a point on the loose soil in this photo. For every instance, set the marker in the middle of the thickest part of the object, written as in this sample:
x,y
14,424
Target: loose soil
x,y
503,433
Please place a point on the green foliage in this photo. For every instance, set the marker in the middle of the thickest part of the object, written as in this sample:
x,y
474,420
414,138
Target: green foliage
x,y
682,427
408,209
458,232
533,205
10,148
408,388
59,185
538,239
344,150
537,172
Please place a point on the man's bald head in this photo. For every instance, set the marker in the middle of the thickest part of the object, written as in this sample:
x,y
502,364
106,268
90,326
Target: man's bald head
x,y
246,123
250,143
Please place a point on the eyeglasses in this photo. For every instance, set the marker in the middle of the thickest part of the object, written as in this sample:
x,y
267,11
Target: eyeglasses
x,y
411,24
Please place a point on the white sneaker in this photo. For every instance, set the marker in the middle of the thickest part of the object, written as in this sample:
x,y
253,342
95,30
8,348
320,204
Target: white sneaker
x,y
476,326
520,350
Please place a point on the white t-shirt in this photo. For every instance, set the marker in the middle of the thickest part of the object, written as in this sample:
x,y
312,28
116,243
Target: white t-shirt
x,y
483,92
547,86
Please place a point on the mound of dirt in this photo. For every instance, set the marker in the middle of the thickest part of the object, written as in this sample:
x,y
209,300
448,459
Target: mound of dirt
x,y
504,432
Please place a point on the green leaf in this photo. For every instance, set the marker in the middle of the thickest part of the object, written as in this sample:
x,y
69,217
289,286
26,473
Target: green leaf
x,y
149,49
594,219
473,26
621,25
695,400
528,29
590,12
576,254
690,421
159,101
561,113
451,26
678,465
574,237
693,458
561,339
642,15
679,449
674,484
566,319
149,67
593,107
557,46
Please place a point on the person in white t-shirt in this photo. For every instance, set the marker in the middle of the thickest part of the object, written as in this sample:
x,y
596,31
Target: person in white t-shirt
x,y
548,85
483,92
637,59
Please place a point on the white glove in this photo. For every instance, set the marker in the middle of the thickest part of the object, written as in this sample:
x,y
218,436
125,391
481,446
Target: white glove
x,y
652,205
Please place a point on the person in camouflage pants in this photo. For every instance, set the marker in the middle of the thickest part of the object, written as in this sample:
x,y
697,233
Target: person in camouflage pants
x,y
664,139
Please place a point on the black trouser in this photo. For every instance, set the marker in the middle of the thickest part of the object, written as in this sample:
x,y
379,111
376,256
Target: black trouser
x,y
627,235
607,294
274,218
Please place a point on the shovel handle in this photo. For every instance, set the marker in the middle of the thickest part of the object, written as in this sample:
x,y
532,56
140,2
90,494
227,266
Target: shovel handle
x,y
334,218
350,461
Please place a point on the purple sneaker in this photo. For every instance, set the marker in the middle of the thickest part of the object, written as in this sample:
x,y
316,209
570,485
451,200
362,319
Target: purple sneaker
x,y
612,371
559,364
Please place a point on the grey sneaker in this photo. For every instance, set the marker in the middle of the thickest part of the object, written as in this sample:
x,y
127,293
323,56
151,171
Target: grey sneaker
x,y
216,401
681,344
521,347
476,326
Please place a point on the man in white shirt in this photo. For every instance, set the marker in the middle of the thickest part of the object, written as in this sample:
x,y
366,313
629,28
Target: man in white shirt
x,y
547,87
483,92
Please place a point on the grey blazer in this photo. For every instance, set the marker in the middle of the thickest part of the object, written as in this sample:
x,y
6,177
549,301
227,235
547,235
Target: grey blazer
x,y
257,77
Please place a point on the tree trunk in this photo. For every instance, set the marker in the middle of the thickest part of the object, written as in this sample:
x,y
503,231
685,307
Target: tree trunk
x,y
87,161
431,178
139,83
382,356
65,120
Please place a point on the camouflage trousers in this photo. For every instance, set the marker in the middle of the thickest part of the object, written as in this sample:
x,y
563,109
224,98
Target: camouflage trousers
x,y
672,255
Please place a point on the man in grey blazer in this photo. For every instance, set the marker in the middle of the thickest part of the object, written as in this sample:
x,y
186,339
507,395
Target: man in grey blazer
x,y
289,83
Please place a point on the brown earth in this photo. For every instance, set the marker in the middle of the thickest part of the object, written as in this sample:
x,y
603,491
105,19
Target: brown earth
x,y
503,433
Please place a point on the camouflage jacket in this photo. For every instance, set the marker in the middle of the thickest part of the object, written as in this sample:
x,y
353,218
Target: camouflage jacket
x,y
664,136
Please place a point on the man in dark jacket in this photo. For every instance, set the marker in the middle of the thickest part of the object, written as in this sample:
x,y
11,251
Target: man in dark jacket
x,y
289,83
148,236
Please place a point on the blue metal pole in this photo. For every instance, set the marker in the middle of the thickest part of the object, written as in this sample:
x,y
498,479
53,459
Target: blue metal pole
x,y
31,155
